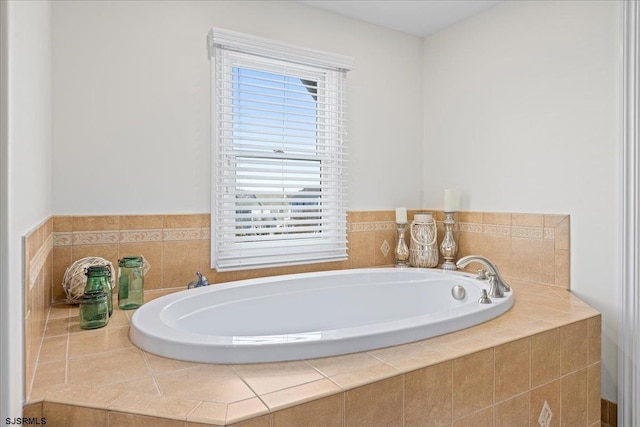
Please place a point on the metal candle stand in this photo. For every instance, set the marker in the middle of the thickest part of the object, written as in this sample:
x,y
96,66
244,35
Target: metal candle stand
x,y
402,251
448,247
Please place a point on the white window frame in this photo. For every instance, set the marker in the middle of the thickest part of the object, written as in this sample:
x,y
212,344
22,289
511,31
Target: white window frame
x,y
327,240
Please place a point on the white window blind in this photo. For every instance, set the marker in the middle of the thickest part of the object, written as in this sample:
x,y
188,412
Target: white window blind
x,y
279,157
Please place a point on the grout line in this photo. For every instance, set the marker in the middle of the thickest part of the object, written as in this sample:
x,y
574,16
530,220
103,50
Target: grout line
x,y
162,284
186,419
560,399
404,397
315,369
37,361
493,404
153,374
337,385
249,386
106,352
530,367
452,387
66,358
344,408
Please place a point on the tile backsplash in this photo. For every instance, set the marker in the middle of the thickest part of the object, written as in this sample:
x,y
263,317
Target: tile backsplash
x,y
528,247
38,261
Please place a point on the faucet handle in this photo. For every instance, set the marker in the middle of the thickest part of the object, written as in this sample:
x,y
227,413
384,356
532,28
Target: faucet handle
x,y
482,274
484,298
495,290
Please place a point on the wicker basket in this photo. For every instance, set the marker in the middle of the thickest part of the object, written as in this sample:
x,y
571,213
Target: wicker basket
x,y
75,279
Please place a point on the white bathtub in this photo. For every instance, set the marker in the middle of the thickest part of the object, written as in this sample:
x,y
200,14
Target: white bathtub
x,y
310,315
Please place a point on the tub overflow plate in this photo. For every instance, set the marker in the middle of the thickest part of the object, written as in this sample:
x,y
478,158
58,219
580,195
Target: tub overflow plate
x,y
458,292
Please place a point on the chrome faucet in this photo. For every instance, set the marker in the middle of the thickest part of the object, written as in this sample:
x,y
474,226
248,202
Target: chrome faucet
x,y
202,281
497,283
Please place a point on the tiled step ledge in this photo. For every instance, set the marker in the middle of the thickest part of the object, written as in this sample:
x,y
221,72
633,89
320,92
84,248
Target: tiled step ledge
x,y
547,347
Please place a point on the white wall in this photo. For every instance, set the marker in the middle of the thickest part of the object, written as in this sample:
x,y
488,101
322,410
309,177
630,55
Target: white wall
x,y
28,176
132,102
521,115
519,111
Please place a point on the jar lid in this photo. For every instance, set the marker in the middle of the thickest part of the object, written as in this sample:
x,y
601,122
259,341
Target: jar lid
x,y
130,261
97,270
94,295
423,217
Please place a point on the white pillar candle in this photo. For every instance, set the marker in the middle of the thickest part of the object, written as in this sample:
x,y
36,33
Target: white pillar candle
x,y
423,217
401,215
450,200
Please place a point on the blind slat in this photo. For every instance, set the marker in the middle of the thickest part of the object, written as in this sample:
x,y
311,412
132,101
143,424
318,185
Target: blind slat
x,y
297,154
226,118
243,202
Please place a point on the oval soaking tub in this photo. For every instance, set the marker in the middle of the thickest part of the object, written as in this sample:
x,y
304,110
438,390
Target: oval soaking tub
x,y
310,315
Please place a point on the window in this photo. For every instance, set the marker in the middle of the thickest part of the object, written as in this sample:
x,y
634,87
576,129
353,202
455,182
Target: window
x,y
278,157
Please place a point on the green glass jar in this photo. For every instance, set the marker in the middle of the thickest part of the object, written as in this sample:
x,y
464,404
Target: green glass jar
x,y
99,280
94,310
130,282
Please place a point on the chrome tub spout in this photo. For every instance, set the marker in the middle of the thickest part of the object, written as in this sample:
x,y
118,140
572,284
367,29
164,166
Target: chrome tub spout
x,y
498,285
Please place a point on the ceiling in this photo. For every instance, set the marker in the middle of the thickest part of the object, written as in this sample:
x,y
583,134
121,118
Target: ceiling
x,y
417,17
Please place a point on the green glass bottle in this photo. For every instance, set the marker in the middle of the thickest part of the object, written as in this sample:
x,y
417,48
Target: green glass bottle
x,y
98,280
94,310
130,282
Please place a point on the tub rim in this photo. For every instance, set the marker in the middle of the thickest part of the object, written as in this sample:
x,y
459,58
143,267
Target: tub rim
x,y
197,347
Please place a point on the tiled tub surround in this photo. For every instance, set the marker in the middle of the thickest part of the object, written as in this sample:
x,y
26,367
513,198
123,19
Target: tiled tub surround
x,y
531,247
500,373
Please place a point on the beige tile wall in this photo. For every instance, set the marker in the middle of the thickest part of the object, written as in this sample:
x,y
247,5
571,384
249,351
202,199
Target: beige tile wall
x,y
529,247
172,244
38,261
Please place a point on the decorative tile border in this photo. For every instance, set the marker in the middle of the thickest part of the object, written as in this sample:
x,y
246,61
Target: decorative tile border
x,y
527,232
467,227
549,234
360,227
103,237
62,239
173,234
496,230
138,236
513,231
95,238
